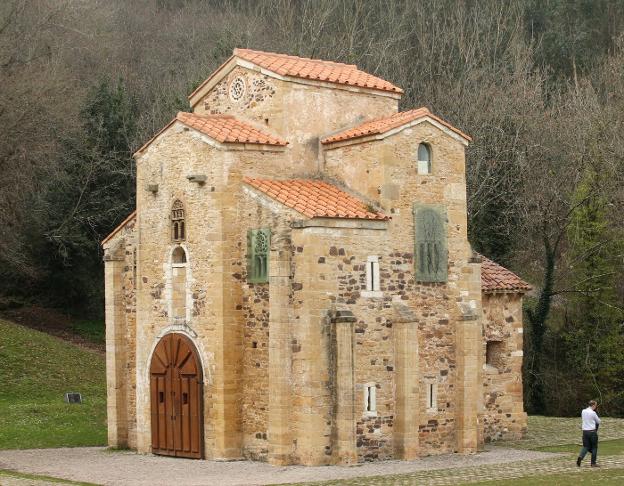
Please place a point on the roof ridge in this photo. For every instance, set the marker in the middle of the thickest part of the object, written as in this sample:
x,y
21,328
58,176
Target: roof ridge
x,y
208,116
237,50
384,124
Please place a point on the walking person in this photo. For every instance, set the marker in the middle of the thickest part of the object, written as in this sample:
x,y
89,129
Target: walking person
x,y
591,421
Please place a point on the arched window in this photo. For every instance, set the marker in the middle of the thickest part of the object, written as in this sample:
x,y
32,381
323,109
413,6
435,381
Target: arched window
x,y
178,230
178,255
424,159
178,283
430,246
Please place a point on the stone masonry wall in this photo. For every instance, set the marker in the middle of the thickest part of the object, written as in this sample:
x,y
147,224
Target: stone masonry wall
x,y
299,113
503,416
255,213
216,225
385,172
121,250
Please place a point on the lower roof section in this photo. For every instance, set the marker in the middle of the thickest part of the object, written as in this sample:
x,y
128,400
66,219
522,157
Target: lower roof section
x,y
316,198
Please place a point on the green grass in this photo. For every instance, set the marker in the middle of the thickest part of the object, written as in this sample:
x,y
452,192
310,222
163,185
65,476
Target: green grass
x,y
605,448
7,473
589,476
93,331
35,371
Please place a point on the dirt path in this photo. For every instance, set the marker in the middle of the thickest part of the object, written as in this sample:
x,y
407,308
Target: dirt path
x,y
97,465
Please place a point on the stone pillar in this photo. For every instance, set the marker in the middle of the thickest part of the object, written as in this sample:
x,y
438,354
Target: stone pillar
x,y
116,389
280,441
407,416
469,350
227,398
345,447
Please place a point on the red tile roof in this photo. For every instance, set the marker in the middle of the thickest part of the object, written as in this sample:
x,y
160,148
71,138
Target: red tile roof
x,y
383,125
316,69
223,128
495,278
227,129
315,198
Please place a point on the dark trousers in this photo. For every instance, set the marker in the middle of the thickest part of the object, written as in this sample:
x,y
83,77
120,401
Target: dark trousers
x,y
590,444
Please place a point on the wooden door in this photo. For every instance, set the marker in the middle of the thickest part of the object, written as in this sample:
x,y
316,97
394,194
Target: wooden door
x,y
176,398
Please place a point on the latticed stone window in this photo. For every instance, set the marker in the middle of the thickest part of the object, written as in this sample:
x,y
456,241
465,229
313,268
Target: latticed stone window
x,y
258,244
430,251
178,229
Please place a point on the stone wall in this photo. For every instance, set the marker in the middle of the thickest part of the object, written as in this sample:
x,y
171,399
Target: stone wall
x,y
385,171
503,414
299,113
120,282
219,309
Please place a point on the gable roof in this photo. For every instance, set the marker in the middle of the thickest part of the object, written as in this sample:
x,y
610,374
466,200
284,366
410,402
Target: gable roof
x,y
496,278
317,69
382,125
222,128
121,226
315,198
227,129
306,68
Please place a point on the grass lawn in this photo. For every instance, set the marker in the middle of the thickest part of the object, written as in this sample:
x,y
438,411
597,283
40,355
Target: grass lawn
x,y
605,448
94,331
35,371
593,476
6,473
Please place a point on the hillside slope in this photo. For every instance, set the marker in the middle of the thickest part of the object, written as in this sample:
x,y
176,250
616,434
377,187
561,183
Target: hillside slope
x,y
35,371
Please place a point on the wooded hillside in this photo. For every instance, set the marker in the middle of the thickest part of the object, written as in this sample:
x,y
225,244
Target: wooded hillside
x,y
538,84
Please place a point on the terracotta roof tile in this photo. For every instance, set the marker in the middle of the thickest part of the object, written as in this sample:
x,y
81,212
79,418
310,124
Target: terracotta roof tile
x,y
315,198
383,125
316,69
227,129
495,278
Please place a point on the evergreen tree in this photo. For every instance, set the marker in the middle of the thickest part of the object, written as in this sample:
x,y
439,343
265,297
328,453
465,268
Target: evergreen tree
x,y
92,194
593,333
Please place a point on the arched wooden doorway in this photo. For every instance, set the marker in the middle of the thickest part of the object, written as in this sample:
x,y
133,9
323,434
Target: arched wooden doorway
x,y
176,398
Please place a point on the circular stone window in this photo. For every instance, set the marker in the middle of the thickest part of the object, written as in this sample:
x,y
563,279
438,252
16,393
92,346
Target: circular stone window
x,y
237,89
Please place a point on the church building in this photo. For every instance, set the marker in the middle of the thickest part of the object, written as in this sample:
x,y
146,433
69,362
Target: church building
x,y
296,284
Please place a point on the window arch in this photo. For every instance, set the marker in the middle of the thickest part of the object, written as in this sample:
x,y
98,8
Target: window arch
x,y
178,255
178,228
424,159
179,271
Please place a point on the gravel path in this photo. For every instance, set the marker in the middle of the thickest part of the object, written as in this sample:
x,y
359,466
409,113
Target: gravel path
x,y
100,466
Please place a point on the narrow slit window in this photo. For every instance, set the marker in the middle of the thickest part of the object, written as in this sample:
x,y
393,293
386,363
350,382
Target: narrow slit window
x,y
372,274
424,159
432,397
370,399
161,397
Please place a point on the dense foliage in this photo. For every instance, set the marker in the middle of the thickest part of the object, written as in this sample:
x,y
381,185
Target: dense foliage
x,y
539,84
